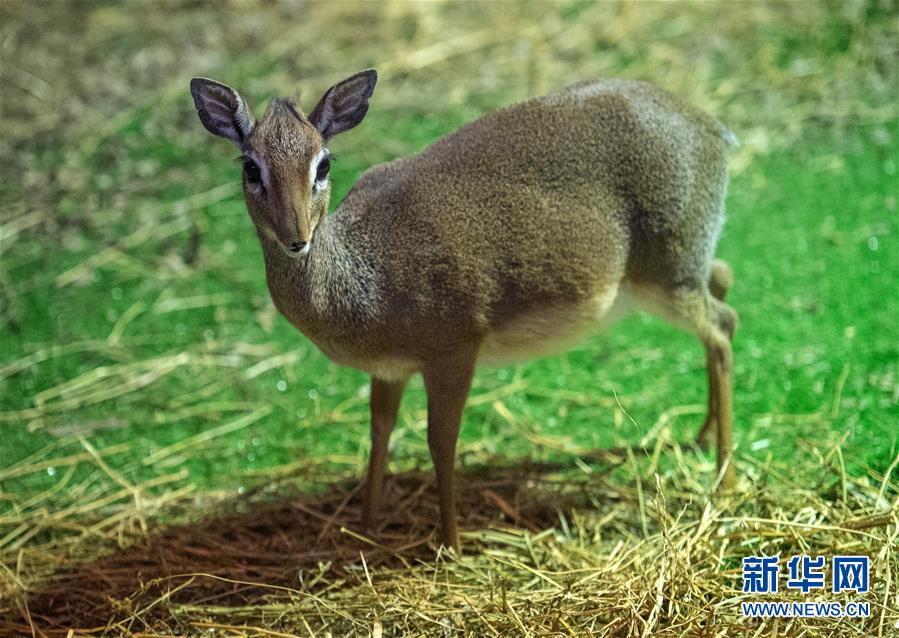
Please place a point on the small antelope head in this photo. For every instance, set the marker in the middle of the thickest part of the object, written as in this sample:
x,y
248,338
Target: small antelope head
x,y
284,156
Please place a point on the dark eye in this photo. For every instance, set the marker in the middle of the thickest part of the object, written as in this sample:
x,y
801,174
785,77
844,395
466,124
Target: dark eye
x,y
322,171
251,170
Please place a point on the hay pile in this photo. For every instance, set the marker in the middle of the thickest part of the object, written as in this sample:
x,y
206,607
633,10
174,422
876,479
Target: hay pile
x,y
618,543
613,545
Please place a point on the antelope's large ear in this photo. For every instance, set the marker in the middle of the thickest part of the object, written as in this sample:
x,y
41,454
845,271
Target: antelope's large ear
x,y
344,105
222,110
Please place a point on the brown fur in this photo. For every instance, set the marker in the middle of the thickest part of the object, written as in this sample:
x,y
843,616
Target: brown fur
x,y
522,229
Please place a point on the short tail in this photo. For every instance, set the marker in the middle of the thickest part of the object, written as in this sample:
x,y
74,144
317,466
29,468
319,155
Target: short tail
x,y
730,140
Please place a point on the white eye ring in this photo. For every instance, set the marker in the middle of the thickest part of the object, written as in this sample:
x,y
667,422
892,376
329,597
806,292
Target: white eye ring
x,y
313,169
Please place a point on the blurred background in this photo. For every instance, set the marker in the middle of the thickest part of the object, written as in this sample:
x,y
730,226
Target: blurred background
x,y
143,366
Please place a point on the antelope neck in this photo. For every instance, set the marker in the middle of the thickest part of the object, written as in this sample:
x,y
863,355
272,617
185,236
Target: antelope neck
x,y
321,293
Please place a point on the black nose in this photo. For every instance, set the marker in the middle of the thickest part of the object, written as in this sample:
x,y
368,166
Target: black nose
x,y
297,246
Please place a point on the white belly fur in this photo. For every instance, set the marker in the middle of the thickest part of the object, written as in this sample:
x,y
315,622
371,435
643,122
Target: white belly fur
x,y
537,334
552,330
387,369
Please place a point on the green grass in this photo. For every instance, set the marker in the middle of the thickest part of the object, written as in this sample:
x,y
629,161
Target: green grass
x,y
811,237
145,376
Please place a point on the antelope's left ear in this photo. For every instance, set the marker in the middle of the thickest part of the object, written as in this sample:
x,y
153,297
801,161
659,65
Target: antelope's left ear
x,y
344,105
221,110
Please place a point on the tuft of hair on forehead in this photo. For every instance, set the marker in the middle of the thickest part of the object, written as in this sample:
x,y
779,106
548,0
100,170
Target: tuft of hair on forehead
x,y
284,135
286,106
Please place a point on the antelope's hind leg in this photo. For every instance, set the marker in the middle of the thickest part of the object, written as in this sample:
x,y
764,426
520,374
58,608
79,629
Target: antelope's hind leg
x,y
721,278
716,338
713,322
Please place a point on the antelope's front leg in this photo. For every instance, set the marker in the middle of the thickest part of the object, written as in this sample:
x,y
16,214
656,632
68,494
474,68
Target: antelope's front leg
x,y
385,403
447,386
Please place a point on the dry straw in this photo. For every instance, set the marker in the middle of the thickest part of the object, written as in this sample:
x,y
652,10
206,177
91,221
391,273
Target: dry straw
x,y
611,543
610,549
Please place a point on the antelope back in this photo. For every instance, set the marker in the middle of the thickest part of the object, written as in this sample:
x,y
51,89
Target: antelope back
x,y
546,203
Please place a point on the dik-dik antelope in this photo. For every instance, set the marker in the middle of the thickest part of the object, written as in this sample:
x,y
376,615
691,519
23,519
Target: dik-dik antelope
x,y
508,239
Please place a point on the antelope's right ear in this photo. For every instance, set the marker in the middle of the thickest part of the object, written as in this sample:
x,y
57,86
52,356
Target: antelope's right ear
x,y
222,110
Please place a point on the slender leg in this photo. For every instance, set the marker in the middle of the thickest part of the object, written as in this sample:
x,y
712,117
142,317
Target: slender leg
x,y
721,278
714,322
720,354
710,425
385,403
447,385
